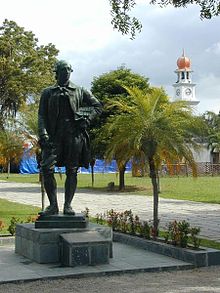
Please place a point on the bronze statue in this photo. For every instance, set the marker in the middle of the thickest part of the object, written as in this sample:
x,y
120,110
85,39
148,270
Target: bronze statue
x,y
62,134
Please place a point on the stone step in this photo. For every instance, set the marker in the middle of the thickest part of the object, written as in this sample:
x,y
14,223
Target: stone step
x,y
62,221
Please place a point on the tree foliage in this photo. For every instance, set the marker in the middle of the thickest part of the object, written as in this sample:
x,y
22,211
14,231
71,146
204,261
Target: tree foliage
x,y
109,87
25,67
121,20
153,129
128,25
212,121
27,122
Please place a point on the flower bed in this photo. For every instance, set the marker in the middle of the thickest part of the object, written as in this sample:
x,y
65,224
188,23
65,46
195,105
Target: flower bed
x,y
202,257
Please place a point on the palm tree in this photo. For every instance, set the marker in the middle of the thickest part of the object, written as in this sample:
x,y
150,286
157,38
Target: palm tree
x,y
153,129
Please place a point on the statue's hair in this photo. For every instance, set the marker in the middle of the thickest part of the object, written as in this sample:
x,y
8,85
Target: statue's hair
x,y
60,64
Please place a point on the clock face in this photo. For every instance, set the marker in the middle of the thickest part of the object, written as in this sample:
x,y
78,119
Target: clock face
x,y
188,91
178,92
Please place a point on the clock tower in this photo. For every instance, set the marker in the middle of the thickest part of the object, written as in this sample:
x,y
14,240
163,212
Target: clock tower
x,y
184,89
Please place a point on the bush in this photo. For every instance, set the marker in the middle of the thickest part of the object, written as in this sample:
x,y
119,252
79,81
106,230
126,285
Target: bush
x,y
179,234
125,222
2,225
14,221
12,226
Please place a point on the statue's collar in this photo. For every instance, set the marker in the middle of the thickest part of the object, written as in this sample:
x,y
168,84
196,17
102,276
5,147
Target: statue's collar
x,y
69,86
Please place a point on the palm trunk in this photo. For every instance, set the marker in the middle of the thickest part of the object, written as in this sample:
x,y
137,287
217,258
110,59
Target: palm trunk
x,y
92,167
92,164
153,176
122,169
122,179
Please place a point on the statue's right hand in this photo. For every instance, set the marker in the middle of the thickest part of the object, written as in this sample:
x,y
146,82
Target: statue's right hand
x,y
44,141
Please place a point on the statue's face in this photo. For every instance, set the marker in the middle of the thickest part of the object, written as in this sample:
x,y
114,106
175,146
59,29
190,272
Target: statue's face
x,y
63,74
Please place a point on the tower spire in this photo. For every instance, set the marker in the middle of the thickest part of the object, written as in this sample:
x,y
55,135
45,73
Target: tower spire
x,y
183,52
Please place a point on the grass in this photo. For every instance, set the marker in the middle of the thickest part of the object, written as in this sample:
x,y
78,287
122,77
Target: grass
x,y
201,189
10,209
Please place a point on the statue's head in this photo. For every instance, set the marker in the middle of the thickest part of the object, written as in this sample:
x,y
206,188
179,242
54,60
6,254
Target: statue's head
x,y
63,70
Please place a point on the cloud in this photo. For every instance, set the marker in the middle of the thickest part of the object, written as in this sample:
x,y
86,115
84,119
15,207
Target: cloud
x,y
208,92
215,48
82,31
80,25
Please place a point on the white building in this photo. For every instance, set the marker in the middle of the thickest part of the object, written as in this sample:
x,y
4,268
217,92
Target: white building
x,y
185,90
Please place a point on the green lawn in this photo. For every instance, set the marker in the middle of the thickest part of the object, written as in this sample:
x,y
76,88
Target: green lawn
x,y
10,209
203,189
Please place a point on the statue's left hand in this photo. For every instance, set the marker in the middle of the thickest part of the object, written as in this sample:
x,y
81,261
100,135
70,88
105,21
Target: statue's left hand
x,y
83,123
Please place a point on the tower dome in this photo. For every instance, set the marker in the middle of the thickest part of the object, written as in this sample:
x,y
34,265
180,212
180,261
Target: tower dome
x,y
183,62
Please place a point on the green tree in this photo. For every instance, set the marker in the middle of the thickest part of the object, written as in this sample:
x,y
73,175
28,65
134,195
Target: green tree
x,y
11,148
109,87
27,122
212,121
129,25
153,129
25,67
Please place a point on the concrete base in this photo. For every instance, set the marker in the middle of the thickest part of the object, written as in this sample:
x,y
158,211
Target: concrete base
x,y
87,248
44,245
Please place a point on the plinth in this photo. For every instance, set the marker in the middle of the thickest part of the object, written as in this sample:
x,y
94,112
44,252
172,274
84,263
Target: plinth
x,y
62,221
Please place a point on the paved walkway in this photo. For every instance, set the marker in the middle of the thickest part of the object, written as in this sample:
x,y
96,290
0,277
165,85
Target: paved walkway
x,y
126,259
206,216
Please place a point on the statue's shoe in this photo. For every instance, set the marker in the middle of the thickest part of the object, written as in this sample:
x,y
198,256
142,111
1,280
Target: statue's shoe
x,y
68,211
51,210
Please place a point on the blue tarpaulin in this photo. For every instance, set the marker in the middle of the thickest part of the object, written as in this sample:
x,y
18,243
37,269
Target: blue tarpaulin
x,y
28,165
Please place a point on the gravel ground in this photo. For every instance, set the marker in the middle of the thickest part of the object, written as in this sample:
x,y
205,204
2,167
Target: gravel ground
x,y
197,280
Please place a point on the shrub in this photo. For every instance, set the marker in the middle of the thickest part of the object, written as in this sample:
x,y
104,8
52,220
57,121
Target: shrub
x,y
178,234
12,226
2,225
195,240
31,219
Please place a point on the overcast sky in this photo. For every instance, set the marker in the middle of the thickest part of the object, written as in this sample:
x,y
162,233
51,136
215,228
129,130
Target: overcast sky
x,y
82,32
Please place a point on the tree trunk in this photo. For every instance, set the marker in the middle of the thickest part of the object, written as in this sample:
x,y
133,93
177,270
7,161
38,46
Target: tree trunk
x,y
92,164
158,183
153,176
9,168
122,176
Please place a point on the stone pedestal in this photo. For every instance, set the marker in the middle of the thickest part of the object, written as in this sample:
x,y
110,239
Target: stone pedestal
x,y
87,248
43,245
